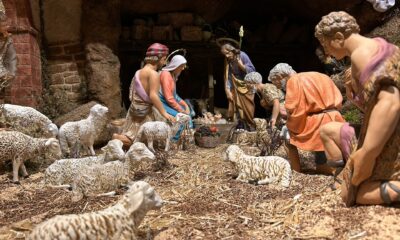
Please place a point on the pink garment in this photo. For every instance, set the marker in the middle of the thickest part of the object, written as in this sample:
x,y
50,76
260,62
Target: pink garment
x,y
385,50
138,88
168,89
347,135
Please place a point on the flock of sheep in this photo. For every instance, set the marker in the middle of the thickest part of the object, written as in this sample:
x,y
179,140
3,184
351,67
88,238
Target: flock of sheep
x,y
104,173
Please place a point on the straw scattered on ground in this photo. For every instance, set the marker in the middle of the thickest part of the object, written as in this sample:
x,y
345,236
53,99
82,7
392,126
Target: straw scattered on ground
x,y
204,201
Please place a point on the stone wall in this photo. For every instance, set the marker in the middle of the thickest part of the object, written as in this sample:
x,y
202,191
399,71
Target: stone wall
x,y
65,53
27,86
65,68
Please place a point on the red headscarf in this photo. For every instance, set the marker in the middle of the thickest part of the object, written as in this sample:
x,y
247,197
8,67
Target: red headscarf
x,y
157,50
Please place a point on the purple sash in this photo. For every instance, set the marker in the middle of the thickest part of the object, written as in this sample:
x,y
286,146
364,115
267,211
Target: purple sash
x,y
138,88
385,50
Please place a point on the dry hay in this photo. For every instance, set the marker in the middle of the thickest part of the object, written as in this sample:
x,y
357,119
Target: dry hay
x,y
203,201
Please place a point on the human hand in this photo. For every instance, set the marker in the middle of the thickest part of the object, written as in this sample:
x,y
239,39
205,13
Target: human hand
x,y
272,123
170,118
362,164
187,111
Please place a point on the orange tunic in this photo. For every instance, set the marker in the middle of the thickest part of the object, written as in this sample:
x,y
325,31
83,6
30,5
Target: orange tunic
x,y
312,99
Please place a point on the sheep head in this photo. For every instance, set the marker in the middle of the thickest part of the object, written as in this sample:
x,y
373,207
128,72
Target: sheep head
x,y
232,153
54,149
52,130
113,150
182,118
138,152
261,124
99,110
140,198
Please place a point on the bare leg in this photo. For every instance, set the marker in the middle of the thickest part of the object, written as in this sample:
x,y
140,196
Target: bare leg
x,y
267,181
23,170
150,144
242,178
167,141
369,192
293,156
60,186
109,194
92,150
330,136
16,165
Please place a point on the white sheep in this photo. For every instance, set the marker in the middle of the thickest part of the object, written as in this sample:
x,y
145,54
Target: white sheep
x,y
103,179
19,147
160,131
120,221
29,121
263,170
62,172
83,132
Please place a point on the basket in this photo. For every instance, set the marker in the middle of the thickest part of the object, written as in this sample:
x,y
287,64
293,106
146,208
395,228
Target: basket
x,y
223,129
206,141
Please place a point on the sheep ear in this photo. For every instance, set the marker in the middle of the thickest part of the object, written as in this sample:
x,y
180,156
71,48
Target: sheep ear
x,y
104,149
135,201
49,142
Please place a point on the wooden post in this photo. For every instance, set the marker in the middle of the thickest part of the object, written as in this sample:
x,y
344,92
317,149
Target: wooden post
x,y
210,85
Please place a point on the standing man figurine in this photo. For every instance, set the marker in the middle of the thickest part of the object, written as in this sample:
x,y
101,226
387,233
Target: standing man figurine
x,y
237,65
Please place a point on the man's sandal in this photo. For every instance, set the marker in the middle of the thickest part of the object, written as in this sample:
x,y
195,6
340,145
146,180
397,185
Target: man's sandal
x,y
338,165
385,194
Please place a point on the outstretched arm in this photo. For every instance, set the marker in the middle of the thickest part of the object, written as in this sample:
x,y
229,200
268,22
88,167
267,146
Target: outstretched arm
x,y
275,112
383,121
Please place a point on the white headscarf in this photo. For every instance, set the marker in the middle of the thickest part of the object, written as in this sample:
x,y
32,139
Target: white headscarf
x,y
175,62
382,5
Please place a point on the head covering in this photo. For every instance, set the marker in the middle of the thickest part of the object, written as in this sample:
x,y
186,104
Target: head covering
x,y
222,41
253,77
175,62
157,50
3,16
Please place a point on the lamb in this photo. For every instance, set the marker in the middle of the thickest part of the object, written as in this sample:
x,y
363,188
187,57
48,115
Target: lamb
x,y
62,172
29,121
19,147
263,170
83,132
97,179
120,221
257,138
157,130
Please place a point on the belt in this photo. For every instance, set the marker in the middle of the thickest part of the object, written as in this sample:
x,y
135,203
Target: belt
x,y
323,111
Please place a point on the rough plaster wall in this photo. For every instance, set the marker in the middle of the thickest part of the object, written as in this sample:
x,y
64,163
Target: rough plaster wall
x,y
101,22
62,20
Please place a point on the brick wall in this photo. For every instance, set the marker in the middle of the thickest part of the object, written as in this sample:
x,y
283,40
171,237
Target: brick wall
x,y
66,70
27,86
